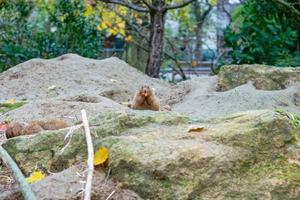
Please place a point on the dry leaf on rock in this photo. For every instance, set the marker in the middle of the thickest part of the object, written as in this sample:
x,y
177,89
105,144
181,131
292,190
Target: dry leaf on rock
x,y
35,176
113,80
3,126
101,156
52,87
195,128
10,101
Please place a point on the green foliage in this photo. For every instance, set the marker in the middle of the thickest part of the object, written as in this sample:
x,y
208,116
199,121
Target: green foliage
x,y
45,29
294,118
268,34
296,121
5,107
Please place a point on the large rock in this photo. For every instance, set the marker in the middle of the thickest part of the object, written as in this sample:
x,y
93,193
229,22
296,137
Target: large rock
x,y
263,77
244,156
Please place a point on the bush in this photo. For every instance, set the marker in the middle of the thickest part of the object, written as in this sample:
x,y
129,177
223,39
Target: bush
x,y
267,34
31,29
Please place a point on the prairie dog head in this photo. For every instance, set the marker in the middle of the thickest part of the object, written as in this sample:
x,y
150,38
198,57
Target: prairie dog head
x,y
146,91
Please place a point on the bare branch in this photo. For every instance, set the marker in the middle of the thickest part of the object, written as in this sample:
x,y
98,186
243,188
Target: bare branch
x,y
149,5
88,186
25,188
179,5
126,4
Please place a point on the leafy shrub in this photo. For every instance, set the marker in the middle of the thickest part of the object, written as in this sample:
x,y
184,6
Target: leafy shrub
x,y
45,29
267,33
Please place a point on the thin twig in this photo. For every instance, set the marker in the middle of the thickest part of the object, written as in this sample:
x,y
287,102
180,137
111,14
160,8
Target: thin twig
x,y
70,135
107,176
110,195
90,162
25,188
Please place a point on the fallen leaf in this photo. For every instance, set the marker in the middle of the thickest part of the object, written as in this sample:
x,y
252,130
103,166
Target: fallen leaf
x,y
113,80
195,128
10,101
3,126
35,176
52,87
101,156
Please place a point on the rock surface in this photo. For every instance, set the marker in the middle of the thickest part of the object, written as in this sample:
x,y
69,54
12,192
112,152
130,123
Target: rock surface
x,y
238,151
154,155
68,184
263,77
204,103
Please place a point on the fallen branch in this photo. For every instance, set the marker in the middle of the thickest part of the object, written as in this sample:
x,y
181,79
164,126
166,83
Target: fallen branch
x,y
90,162
70,135
289,6
110,195
25,188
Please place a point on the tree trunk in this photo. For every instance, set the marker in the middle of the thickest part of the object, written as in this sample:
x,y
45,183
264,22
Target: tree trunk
x,y
155,43
198,45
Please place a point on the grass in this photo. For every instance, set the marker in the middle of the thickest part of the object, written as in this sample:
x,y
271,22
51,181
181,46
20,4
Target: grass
x,y
6,107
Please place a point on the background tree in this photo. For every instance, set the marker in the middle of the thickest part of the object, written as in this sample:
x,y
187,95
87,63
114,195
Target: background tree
x,y
46,29
157,10
265,32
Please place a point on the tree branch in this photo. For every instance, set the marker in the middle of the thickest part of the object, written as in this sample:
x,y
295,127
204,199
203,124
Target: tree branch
x,y
88,186
149,5
126,4
25,188
288,5
179,5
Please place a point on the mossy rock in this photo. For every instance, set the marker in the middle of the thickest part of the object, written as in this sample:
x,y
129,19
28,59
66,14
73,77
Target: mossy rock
x,y
263,77
243,156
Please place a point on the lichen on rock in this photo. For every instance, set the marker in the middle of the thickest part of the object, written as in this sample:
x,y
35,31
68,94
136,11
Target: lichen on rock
x,y
263,77
153,154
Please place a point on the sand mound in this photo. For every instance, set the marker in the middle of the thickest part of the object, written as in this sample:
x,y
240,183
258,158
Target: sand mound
x,y
70,75
204,102
62,86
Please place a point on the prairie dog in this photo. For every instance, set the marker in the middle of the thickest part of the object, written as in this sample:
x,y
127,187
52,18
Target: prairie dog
x,y
145,99
17,128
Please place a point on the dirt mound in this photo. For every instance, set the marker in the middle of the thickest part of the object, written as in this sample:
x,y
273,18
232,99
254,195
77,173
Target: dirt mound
x,y
70,75
60,87
205,102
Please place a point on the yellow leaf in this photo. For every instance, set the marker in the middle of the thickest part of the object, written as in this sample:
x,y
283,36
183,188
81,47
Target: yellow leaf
x,y
128,38
10,101
213,2
103,25
122,32
195,128
62,18
35,176
194,63
121,25
88,11
112,31
101,156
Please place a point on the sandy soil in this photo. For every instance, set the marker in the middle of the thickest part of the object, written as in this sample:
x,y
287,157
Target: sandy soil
x,y
203,102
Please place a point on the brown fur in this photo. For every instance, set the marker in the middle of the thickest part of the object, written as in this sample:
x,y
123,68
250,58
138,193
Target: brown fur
x,y
16,128
145,99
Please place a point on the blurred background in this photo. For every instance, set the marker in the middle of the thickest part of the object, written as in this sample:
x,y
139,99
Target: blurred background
x,y
199,36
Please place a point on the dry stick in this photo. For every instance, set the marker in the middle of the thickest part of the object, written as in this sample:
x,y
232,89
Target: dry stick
x,y
25,188
88,186
110,195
